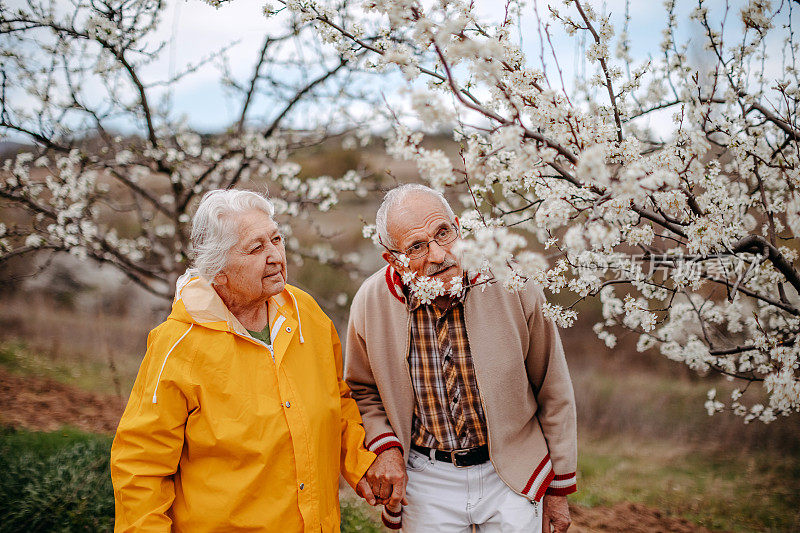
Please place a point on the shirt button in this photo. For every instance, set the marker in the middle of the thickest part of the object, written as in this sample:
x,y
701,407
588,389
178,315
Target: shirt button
x,y
302,486
288,329
288,405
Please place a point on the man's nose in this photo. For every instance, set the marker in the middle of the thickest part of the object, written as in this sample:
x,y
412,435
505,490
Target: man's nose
x,y
436,253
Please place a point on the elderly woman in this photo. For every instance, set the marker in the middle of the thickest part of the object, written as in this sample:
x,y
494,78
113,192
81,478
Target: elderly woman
x,y
239,419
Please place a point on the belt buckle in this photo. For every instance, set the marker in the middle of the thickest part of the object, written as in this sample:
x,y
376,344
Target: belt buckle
x,y
454,456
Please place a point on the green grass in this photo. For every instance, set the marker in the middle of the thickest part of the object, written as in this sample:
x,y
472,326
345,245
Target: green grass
x,y
359,517
724,491
44,444
56,481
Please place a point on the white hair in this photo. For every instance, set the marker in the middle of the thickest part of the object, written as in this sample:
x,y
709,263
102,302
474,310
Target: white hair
x,y
394,197
214,230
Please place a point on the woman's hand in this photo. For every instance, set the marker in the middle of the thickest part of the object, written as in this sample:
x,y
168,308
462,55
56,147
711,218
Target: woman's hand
x,y
365,491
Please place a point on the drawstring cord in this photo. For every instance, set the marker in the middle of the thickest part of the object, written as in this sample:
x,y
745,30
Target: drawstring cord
x,y
299,324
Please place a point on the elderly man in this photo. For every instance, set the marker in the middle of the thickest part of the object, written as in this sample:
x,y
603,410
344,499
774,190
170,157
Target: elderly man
x,y
239,419
467,398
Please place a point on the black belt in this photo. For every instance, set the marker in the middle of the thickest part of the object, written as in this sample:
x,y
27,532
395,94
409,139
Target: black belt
x,y
459,458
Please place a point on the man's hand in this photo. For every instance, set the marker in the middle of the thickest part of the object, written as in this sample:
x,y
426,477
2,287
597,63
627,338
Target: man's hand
x,y
387,478
555,514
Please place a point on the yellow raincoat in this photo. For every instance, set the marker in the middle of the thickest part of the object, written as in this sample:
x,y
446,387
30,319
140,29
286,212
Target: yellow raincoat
x,y
225,433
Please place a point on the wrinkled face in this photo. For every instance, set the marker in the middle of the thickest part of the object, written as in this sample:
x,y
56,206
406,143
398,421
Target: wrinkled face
x,y
256,268
419,218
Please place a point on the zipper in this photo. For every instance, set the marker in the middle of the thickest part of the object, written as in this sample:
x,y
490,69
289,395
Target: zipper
x,y
489,445
260,343
408,372
489,437
278,322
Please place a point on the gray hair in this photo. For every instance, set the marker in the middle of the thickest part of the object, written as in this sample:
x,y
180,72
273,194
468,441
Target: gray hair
x,y
394,197
214,232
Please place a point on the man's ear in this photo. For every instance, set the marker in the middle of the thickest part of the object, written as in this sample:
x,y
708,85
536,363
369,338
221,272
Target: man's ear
x,y
389,258
392,260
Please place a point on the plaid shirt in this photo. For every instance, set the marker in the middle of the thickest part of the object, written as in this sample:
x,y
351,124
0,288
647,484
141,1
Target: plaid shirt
x,y
448,414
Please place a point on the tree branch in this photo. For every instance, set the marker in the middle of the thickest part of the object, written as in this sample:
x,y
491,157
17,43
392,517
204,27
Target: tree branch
x,y
758,243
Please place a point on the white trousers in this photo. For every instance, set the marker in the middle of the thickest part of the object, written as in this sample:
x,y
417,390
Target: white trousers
x,y
445,499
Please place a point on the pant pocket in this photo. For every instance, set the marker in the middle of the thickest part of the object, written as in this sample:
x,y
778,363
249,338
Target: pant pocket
x,y
418,462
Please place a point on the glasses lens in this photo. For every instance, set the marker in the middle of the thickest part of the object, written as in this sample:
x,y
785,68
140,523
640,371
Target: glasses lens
x,y
418,250
446,236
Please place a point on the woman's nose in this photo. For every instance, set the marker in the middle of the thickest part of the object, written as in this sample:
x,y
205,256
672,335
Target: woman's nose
x,y
273,253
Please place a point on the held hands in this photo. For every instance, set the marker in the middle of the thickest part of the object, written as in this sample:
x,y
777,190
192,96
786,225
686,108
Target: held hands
x,y
385,484
385,480
555,514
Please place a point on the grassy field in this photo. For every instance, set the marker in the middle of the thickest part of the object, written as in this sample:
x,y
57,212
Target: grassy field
x,y
61,478
727,491
643,438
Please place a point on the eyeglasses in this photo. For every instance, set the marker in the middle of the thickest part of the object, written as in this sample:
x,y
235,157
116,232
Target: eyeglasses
x,y
443,237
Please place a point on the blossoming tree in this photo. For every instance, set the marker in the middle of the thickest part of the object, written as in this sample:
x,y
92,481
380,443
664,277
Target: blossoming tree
x,y
689,241
73,75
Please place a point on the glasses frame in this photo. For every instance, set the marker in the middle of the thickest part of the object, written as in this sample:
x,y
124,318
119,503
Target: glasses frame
x,y
455,229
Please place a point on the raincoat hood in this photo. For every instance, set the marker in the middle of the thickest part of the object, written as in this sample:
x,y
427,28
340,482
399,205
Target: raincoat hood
x,y
196,302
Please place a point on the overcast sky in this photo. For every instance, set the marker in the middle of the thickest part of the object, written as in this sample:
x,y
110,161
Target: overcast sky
x,y
194,30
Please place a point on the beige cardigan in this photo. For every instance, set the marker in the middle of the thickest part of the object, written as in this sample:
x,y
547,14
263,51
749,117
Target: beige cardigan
x,y
520,366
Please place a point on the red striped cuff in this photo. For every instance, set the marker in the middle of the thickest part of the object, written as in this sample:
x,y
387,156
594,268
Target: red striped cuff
x,y
392,519
563,484
383,442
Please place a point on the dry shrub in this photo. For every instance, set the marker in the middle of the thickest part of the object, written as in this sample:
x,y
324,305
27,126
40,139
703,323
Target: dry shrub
x,y
620,391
